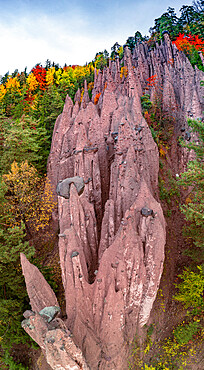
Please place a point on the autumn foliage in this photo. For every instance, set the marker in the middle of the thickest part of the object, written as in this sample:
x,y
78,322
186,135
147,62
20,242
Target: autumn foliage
x,y
96,99
30,197
26,93
40,74
123,72
151,81
186,43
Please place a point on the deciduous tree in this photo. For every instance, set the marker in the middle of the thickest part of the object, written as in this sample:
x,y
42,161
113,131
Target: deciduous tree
x,y
30,197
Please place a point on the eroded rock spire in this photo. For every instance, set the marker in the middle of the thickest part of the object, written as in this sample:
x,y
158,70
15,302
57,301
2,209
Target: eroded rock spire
x,y
112,236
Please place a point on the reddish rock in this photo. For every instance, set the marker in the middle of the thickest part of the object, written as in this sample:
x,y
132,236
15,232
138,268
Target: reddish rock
x,y
112,237
110,260
56,343
39,291
77,97
176,81
85,99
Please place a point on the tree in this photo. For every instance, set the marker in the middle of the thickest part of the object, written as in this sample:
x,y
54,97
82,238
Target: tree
x,y
138,37
13,296
191,45
114,49
191,288
48,64
48,108
191,20
11,95
101,59
40,74
5,78
188,15
193,178
167,22
30,197
198,5
131,43
22,139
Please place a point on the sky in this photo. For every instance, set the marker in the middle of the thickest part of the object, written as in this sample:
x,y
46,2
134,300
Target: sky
x,y
71,31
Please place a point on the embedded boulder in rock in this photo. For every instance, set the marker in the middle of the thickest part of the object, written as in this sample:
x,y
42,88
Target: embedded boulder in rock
x,y
56,343
49,313
63,187
112,236
125,286
43,325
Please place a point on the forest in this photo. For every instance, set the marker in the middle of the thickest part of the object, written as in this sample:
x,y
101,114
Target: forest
x,y
30,103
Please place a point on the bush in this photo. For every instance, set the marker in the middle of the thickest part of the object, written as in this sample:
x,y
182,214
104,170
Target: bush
x,y
184,333
191,288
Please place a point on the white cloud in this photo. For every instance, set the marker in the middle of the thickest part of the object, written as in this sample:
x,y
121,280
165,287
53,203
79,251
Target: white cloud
x,y
74,33
34,39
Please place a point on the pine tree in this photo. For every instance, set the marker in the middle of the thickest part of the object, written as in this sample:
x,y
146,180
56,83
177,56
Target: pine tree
x,y
193,178
22,139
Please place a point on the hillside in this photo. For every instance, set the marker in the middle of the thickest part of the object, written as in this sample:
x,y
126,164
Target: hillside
x,y
116,224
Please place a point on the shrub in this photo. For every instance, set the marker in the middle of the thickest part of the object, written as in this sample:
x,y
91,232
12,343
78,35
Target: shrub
x,y
183,333
191,288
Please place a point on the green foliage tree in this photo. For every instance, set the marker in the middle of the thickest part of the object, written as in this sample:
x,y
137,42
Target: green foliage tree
x,y
5,78
131,43
198,5
101,60
167,22
48,108
8,361
23,139
191,21
188,15
12,100
114,50
138,37
13,296
193,179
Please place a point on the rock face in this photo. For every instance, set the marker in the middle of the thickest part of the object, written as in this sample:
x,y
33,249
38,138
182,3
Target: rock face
x,y
178,82
56,343
112,236
49,332
39,291
111,252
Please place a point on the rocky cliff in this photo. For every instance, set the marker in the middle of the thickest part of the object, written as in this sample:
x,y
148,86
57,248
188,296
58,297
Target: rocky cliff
x,y
104,164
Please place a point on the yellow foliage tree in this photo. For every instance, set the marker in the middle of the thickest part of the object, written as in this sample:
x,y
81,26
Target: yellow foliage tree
x,y
58,75
30,197
123,72
13,84
50,76
32,82
2,92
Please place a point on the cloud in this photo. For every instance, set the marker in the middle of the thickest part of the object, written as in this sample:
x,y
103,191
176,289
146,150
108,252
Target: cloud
x,y
33,39
69,32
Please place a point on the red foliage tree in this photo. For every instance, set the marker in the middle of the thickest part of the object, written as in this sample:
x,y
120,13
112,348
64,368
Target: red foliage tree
x,y
40,74
185,43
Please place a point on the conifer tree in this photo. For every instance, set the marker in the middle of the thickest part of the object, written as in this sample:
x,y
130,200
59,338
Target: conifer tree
x,y
22,139
13,296
193,209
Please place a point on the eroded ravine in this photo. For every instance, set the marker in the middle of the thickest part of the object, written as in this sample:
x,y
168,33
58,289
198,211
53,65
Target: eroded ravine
x,y
112,236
